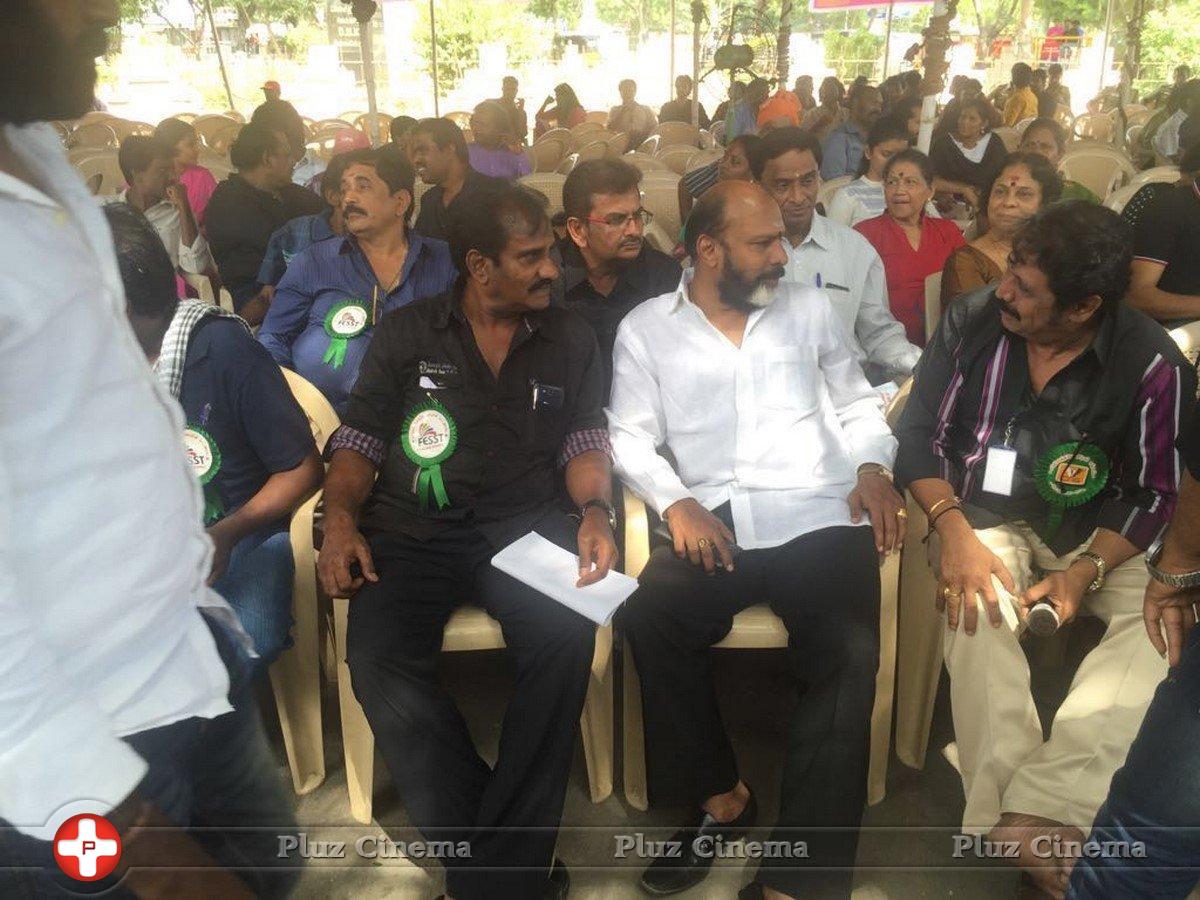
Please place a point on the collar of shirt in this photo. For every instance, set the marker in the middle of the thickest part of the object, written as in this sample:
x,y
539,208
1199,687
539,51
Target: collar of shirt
x,y
819,233
448,306
632,277
417,248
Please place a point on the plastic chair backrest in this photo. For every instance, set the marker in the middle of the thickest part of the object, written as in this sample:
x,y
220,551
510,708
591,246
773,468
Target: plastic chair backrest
x,y
660,195
320,414
933,303
545,156
594,150
682,134
677,158
645,162
104,164
97,135
550,184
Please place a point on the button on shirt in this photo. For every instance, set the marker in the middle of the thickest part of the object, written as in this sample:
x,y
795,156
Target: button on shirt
x,y
329,273
433,221
776,428
235,392
102,555
1125,394
844,265
842,152
504,473
648,275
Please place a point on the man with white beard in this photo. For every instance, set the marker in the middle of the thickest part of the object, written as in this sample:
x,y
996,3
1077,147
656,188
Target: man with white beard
x,y
782,460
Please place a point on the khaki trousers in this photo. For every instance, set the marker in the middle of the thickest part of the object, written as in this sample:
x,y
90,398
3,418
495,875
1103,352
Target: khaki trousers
x,y
1006,766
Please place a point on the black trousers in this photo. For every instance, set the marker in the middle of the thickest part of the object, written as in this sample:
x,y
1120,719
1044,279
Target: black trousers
x,y
509,815
825,587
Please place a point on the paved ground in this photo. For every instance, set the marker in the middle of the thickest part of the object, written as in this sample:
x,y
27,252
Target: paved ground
x,y
905,851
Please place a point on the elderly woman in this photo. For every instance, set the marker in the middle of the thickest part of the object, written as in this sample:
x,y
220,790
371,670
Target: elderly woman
x,y
1026,184
912,244
733,166
967,158
1046,137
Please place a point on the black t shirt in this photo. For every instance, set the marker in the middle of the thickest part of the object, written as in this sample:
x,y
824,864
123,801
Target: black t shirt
x,y
239,221
650,274
949,163
1168,231
433,221
503,473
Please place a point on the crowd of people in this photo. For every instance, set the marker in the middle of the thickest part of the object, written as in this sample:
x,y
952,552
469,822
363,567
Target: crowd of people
x,y
494,376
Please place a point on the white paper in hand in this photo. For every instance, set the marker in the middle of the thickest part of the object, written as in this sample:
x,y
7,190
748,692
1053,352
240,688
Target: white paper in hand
x,y
548,568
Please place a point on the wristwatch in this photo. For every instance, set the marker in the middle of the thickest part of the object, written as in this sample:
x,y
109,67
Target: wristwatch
x,y
1185,580
1101,569
600,504
875,469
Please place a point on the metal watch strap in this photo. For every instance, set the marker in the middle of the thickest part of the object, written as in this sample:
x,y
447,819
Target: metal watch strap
x,y
1182,581
1101,569
600,504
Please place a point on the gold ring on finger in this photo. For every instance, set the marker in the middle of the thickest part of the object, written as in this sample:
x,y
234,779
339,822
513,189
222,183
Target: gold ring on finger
x,y
902,514
703,542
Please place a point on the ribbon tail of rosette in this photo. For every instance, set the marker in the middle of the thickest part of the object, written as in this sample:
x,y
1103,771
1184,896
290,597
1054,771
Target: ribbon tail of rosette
x,y
214,509
423,488
1055,519
439,487
336,354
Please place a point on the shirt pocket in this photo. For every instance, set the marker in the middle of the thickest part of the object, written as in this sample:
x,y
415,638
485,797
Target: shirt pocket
x,y
786,379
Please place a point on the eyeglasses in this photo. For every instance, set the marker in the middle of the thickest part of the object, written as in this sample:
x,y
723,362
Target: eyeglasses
x,y
909,184
621,220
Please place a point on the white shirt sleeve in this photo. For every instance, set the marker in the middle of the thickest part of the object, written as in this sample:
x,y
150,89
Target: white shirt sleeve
x,y
56,746
195,259
855,402
881,337
841,208
637,426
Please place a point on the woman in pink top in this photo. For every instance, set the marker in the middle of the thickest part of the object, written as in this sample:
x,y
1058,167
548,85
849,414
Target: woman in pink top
x,y
911,244
196,180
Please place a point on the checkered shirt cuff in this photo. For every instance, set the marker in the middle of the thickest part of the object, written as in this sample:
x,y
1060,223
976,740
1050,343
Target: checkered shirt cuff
x,y
347,438
582,441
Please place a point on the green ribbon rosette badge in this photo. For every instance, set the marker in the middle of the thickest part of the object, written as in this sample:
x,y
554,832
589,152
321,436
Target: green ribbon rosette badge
x,y
205,458
1069,475
346,320
429,437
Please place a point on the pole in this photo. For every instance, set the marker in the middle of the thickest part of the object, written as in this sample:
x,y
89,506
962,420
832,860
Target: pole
x,y
1108,17
937,42
368,58
887,40
697,15
671,86
220,57
433,57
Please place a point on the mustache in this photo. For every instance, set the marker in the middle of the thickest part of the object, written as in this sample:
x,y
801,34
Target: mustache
x,y
775,274
1008,309
353,208
540,284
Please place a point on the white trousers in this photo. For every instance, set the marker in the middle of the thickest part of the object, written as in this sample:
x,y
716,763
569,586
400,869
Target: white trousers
x,y
1006,766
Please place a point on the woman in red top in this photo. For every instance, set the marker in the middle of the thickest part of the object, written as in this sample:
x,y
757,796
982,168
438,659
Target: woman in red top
x,y
912,244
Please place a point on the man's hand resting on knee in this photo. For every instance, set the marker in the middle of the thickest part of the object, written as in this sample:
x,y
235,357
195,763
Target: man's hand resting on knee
x,y
699,535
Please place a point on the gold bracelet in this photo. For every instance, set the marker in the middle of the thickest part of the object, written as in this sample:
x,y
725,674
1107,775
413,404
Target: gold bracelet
x,y
933,509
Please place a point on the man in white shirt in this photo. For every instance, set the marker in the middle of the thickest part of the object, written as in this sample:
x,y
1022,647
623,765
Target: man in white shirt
x,y
782,457
826,255
147,167
631,117
114,699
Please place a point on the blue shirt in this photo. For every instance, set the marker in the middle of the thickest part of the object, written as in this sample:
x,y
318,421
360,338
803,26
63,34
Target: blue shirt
x,y
328,273
234,391
298,234
843,152
742,120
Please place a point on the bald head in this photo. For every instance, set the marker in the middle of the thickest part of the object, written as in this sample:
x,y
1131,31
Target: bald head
x,y
725,204
735,238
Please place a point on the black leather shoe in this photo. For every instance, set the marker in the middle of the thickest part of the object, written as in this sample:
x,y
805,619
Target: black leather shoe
x,y
559,883
681,867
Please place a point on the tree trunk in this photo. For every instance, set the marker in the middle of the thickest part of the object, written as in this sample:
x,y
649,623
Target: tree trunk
x,y
783,43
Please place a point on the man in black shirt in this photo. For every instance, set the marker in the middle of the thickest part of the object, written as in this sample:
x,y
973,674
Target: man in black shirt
x,y
247,208
1039,437
1155,797
468,406
439,154
1166,262
680,109
608,268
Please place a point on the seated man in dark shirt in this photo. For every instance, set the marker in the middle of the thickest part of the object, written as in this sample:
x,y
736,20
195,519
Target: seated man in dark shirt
x,y
247,439
335,292
680,109
608,268
441,158
1039,438
247,208
1166,247
473,408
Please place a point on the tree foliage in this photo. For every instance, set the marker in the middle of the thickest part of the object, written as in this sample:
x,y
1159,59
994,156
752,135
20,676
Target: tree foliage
x,y
463,25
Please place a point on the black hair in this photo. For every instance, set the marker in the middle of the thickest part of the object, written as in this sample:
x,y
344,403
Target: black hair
x,y
332,176
486,225
982,107
914,156
1040,170
1054,68
1022,75
400,126
892,127
903,108
597,176
1045,123
749,143
172,131
912,80
444,133
253,143
1082,248
390,164
280,115
137,152
564,96
779,141
706,218
146,269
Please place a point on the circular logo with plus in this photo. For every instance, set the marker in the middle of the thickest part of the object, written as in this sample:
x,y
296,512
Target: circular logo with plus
x,y
87,848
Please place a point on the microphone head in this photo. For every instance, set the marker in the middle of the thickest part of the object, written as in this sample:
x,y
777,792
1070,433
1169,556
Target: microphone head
x,y
1043,620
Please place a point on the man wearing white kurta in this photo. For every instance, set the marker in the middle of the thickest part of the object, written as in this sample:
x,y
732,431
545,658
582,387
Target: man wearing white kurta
x,y
827,255
781,448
